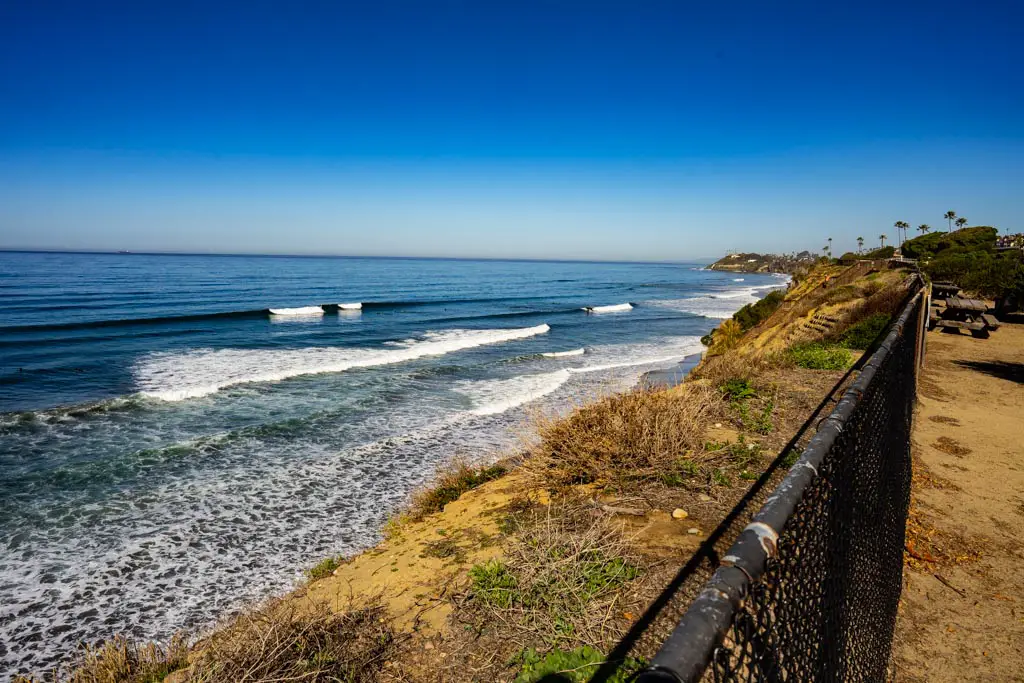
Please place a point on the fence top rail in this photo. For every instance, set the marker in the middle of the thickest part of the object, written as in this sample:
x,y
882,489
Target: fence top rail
x,y
684,656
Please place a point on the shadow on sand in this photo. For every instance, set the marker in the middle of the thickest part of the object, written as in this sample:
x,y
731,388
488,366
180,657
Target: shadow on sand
x,y
1013,372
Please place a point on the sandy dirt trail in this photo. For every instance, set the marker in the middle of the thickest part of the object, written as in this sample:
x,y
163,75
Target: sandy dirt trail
x,y
962,612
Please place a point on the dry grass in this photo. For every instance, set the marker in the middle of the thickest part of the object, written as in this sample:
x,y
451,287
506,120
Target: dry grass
x,y
558,580
286,642
120,660
622,439
279,642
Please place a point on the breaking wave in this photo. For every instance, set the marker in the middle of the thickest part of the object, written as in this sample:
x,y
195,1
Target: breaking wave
x,y
564,354
177,376
302,310
616,308
490,397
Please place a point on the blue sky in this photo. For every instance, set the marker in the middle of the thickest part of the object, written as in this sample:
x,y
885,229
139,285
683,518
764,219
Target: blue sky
x,y
626,130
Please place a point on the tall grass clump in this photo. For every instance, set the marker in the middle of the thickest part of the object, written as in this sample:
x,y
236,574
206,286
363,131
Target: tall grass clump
x,y
281,641
622,439
450,484
120,660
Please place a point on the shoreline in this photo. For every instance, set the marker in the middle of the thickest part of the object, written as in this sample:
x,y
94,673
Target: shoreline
x,y
665,377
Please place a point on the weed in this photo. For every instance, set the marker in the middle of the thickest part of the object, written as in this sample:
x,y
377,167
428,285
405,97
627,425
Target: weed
x,y
445,547
720,478
747,475
576,666
681,471
791,457
557,575
737,389
762,424
818,356
324,568
493,584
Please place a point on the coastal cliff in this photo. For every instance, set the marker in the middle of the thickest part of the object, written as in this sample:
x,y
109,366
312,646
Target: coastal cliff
x,y
764,263
542,562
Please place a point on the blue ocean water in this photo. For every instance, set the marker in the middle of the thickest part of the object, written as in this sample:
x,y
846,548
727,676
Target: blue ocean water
x,y
180,435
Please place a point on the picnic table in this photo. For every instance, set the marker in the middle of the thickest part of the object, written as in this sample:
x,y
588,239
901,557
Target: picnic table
x,y
957,312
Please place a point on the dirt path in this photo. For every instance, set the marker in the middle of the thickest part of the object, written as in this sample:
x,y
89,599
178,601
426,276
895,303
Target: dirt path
x,y
962,612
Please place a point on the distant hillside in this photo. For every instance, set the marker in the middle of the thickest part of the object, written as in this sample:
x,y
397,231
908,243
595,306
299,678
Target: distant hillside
x,y
764,263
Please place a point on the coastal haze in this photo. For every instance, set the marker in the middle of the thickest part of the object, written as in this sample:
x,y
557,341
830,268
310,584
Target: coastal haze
x,y
172,450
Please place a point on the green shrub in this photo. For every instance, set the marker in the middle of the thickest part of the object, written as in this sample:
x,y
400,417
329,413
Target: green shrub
x,y
864,333
883,252
817,356
981,238
324,568
755,313
737,389
573,665
494,584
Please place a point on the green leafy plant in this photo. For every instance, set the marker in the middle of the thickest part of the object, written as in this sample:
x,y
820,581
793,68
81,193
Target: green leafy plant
x,y
762,424
864,333
818,356
494,584
573,665
324,568
737,389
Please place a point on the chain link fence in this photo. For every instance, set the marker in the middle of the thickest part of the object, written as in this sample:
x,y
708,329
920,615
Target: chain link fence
x,y
810,588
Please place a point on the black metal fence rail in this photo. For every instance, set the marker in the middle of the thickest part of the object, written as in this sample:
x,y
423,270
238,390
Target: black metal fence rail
x,y
810,588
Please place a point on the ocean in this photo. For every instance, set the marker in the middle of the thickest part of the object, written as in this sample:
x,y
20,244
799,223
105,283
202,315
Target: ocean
x,y
183,435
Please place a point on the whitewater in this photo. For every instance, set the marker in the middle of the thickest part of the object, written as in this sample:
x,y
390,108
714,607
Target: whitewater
x,y
186,435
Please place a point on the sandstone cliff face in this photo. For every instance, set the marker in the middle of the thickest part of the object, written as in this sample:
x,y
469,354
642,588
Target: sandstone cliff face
x,y
763,263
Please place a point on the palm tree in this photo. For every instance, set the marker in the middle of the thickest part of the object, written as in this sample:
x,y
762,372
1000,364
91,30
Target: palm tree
x,y
924,228
900,225
882,237
961,222
950,215
860,244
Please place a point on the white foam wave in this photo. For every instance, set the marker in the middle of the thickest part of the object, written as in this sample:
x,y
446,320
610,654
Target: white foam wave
x,y
719,305
490,397
564,354
737,279
629,363
175,376
358,306
302,310
616,308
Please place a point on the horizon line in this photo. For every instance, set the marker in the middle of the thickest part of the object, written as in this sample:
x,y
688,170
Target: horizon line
x,y
109,252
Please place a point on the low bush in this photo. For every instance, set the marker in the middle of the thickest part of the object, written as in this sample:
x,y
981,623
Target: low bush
x,y
622,439
817,356
558,574
737,389
861,335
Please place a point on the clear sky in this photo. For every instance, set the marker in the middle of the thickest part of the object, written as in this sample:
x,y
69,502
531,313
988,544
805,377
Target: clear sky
x,y
558,129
